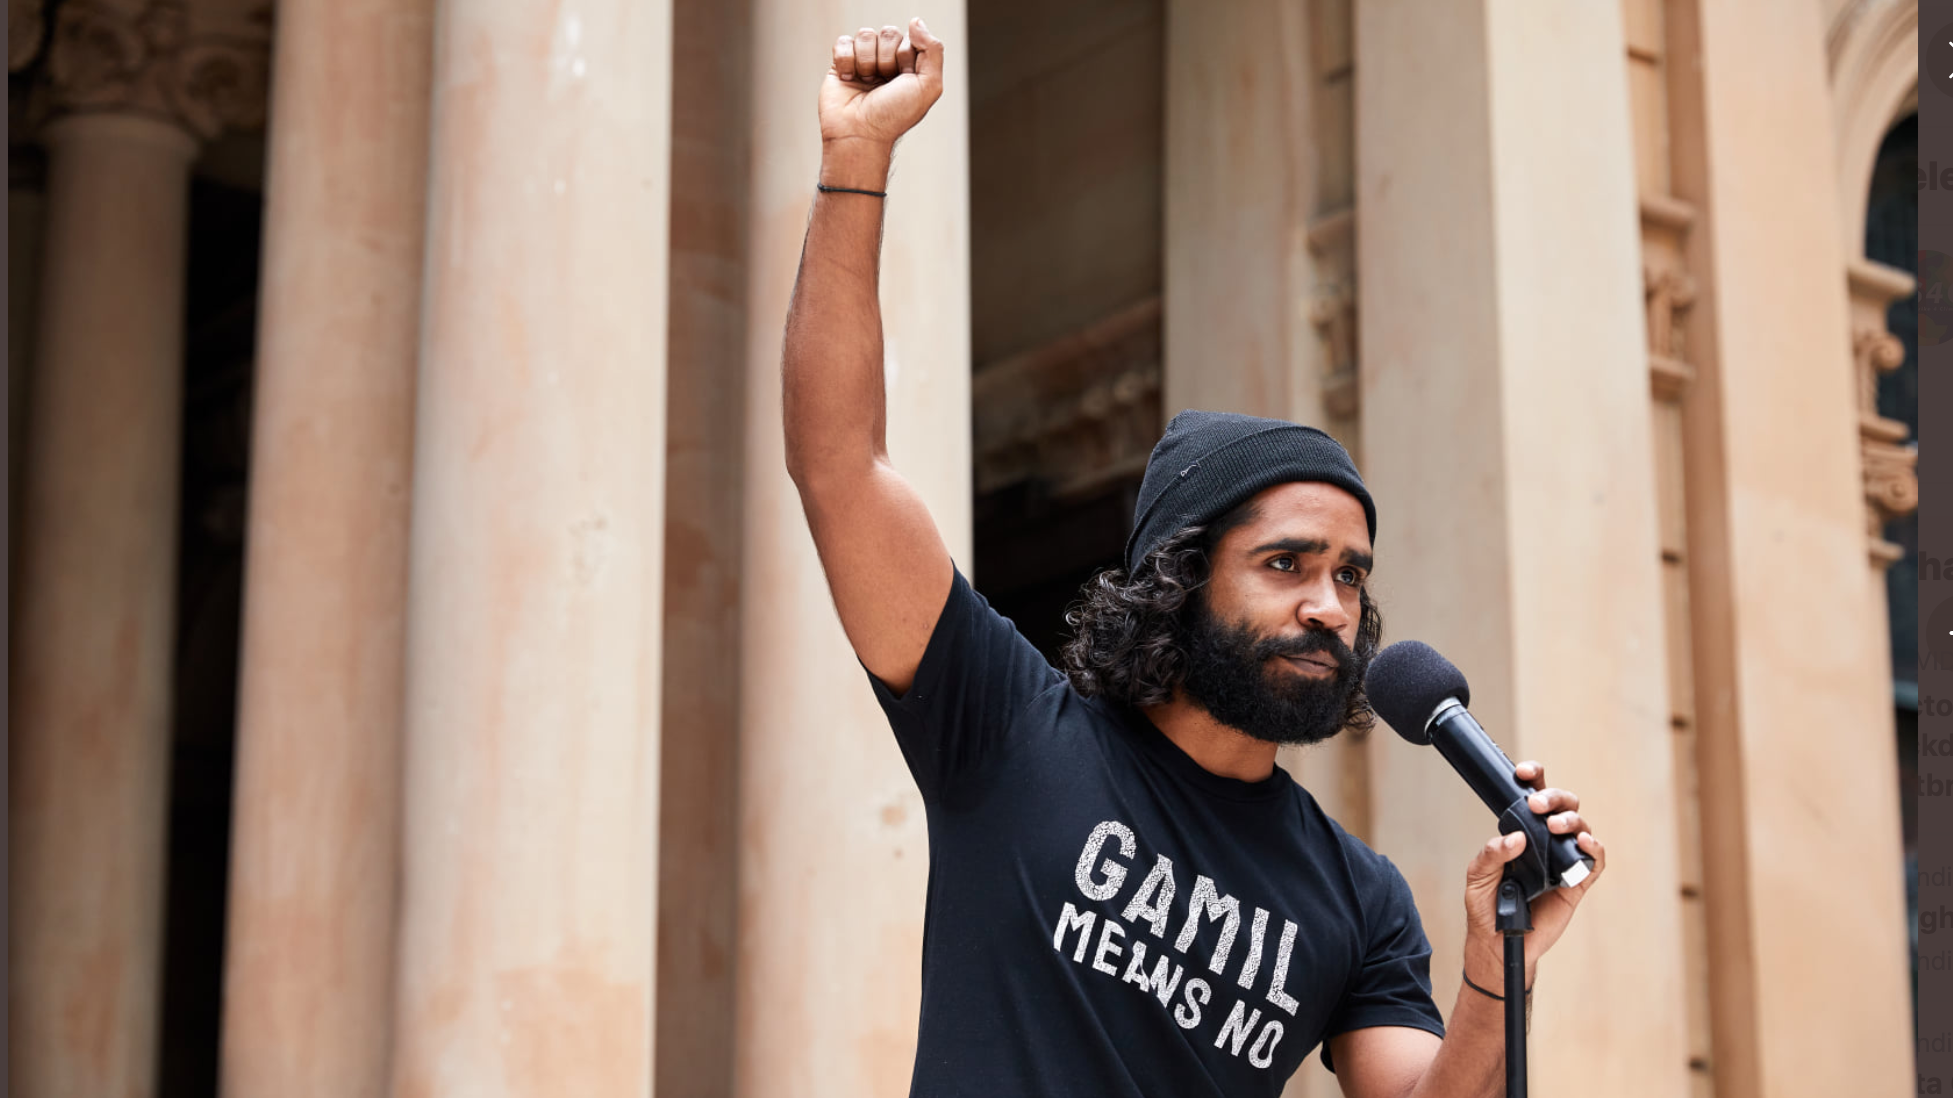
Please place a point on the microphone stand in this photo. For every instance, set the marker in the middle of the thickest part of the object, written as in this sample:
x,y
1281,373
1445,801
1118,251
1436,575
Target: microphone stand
x,y
1514,921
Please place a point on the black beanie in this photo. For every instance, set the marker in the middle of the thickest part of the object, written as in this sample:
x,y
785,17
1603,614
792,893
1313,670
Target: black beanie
x,y
1208,463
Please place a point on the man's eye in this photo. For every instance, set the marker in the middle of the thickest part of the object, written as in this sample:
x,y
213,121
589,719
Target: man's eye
x,y
1350,576
1286,564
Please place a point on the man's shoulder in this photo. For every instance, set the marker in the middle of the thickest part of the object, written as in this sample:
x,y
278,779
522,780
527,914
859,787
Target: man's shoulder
x,y
1057,713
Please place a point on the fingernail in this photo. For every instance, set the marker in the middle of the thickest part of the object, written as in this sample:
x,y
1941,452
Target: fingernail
x,y
1512,840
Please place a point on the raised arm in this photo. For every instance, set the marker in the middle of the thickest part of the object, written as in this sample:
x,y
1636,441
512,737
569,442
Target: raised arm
x,y
885,561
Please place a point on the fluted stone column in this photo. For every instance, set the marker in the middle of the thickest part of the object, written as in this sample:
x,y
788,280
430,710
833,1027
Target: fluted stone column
x,y
130,88
530,859
1507,438
309,972
833,853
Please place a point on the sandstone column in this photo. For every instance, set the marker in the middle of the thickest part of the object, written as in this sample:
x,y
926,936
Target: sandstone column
x,y
1507,438
833,851
130,89
309,974
91,663
1241,164
698,804
526,949
1261,269
1260,255
1797,848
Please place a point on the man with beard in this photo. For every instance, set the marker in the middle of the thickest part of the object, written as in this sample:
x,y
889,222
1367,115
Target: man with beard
x,y
1126,895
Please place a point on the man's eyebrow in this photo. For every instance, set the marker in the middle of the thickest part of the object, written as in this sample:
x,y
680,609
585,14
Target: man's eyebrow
x,y
1312,547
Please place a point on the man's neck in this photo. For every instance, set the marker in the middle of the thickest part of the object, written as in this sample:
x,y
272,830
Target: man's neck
x,y
1218,748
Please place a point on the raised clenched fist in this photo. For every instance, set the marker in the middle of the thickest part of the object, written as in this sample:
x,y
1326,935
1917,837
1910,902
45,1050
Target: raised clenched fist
x,y
880,84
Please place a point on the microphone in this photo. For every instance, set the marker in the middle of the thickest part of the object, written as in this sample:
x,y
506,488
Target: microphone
x,y
1420,694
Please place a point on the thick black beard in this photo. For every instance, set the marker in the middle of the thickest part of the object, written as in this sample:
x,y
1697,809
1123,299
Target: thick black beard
x,y
1228,674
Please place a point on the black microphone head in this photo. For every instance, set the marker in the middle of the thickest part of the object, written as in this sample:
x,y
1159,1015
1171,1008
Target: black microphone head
x,y
1407,682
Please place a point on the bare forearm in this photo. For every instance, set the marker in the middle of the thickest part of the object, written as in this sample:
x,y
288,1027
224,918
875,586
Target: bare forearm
x,y
832,362
1471,1061
886,563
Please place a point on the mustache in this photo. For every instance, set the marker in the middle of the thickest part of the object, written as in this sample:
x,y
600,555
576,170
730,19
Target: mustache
x,y
1315,640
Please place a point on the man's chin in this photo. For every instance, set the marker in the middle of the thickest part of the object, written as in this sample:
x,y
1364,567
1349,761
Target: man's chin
x,y
1281,729
1291,738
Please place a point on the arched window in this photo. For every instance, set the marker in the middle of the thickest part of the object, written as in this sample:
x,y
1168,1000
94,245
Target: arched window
x,y
1892,238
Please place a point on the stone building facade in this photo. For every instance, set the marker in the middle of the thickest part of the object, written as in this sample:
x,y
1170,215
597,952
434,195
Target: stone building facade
x,y
422,681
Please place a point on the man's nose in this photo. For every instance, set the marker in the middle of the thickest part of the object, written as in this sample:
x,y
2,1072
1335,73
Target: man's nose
x,y
1322,608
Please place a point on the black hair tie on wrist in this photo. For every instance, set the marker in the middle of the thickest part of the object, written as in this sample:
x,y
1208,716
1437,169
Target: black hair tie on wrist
x,y
1482,991
849,190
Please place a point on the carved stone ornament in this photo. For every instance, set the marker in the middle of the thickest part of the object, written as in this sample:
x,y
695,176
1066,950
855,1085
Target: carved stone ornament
x,y
1333,312
1667,295
1075,413
1891,480
1890,467
149,60
1877,351
1889,463
1331,308
1891,491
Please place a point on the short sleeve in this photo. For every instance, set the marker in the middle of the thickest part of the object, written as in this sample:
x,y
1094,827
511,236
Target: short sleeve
x,y
1393,988
976,677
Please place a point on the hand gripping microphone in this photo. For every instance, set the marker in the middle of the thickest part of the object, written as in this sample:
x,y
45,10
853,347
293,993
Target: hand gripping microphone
x,y
1421,695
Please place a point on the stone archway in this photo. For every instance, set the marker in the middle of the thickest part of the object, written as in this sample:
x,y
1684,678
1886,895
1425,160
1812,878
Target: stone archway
x,y
1873,52
1873,55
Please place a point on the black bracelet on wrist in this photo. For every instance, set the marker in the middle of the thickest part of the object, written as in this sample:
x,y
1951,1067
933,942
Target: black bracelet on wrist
x,y
1482,991
849,190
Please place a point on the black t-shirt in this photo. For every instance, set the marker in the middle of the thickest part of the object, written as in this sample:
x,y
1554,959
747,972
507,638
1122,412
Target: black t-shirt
x,y
1106,917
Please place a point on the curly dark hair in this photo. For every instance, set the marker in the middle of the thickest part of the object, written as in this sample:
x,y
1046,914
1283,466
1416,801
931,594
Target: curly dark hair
x,y
1128,629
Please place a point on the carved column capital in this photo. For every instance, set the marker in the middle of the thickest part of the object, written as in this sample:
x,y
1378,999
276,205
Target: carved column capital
x,y
148,57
